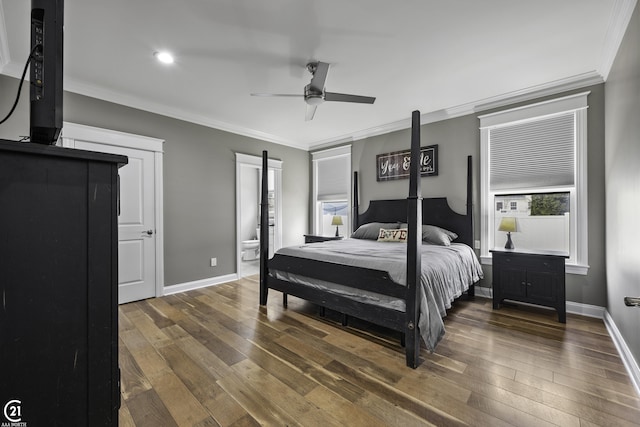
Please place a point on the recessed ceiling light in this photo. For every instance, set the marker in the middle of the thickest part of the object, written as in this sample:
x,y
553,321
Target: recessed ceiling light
x,y
164,57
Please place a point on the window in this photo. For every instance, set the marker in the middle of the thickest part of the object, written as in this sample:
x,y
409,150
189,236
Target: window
x,y
533,168
331,191
542,220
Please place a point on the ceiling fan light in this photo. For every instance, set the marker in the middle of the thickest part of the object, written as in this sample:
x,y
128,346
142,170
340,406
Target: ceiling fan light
x,y
314,99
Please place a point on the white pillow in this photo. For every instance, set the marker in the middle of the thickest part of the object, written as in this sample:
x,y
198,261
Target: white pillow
x,y
393,235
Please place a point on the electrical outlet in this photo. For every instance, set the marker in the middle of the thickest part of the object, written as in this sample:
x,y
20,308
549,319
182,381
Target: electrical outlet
x,y
214,262
476,244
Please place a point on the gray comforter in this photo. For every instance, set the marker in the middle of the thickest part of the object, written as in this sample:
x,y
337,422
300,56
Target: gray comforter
x,y
447,272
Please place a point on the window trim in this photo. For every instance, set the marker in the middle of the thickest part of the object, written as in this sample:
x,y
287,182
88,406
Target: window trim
x,y
342,151
576,103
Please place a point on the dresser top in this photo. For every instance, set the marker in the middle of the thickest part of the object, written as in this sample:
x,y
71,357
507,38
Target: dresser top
x,y
55,151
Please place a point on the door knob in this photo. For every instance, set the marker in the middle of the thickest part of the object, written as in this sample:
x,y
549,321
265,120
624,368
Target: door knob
x,y
632,301
148,233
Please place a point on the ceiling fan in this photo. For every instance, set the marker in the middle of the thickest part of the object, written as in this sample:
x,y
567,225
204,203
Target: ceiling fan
x,y
314,93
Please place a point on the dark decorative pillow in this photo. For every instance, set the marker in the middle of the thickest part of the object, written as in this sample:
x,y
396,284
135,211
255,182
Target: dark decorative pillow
x,y
394,235
371,230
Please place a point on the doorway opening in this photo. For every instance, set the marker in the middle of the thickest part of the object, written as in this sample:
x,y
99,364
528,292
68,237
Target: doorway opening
x,y
248,184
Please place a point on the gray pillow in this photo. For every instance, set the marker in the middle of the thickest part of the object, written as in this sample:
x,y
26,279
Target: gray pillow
x,y
371,230
437,236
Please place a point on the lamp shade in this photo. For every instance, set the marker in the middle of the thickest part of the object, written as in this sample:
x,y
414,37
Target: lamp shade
x,y
337,220
508,224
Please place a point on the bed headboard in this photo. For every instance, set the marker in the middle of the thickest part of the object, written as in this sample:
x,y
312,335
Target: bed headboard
x,y
435,211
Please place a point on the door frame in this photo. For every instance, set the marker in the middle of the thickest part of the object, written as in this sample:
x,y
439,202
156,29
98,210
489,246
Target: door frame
x,y
246,160
73,131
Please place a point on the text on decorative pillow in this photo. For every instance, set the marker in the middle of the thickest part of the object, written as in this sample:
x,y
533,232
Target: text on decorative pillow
x,y
397,235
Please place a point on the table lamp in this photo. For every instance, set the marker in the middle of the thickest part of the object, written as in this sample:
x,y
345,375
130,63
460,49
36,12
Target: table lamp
x,y
509,225
337,221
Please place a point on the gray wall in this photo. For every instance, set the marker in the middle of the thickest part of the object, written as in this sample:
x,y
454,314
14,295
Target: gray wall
x,y
199,179
622,154
459,137
199,167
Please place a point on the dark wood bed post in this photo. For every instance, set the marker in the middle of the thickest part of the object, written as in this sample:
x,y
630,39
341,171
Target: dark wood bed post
x,y
264,228
356,213
470,189
414,245
472,289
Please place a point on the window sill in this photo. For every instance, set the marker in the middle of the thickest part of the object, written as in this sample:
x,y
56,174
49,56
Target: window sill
x,y
570,268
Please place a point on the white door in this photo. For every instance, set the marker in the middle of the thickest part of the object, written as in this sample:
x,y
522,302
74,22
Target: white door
x,y
136,222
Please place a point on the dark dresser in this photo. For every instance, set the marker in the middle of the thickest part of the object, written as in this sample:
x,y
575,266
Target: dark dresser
x,y
58,284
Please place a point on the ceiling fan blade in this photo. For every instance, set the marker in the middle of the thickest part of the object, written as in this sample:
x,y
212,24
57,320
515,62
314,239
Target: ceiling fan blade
x,y
278,94
319,76
311,111
343,97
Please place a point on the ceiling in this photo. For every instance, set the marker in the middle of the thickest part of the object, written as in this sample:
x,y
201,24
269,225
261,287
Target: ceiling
x,y
444,58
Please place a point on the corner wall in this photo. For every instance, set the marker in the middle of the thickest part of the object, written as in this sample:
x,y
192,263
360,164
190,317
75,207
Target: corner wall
x,y
622,165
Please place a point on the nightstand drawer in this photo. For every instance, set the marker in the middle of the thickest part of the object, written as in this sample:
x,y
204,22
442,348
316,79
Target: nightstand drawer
x,y
532,262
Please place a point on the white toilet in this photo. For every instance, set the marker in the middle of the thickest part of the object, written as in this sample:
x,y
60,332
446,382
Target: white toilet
x,y
251,248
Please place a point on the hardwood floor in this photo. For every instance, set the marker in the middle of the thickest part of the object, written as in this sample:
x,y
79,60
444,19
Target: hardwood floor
x,y
214,357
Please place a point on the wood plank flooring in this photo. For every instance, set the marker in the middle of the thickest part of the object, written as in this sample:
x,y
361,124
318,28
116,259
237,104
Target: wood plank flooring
x,y
213,357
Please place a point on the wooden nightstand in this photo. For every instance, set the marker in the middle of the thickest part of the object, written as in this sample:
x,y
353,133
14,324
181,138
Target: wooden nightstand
x,y
311,238
536,277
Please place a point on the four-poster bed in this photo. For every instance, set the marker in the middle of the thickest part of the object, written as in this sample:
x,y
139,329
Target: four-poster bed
x,y
408,288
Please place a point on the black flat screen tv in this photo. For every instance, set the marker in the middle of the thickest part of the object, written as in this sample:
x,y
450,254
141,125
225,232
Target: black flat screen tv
x,y
47,20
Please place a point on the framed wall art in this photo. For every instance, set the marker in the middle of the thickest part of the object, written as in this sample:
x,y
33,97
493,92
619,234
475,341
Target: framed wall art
x,y
395,165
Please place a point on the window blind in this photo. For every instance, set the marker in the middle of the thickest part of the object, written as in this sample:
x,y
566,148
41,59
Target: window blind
x,y
333,178
538,153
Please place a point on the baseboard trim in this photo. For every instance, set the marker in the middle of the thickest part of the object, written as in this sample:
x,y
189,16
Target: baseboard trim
x,y
587,310
197,284
483,292
625,354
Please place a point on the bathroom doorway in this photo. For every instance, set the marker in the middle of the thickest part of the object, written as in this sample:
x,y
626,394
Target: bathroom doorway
x,y
248,184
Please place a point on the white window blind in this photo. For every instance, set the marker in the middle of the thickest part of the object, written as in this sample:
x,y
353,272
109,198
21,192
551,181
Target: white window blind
x,y
333,178
538,153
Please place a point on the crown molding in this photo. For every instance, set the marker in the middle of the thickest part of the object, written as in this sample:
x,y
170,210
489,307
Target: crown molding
x,y
522,95
546,89
527,94
164,110
618,22
620,17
